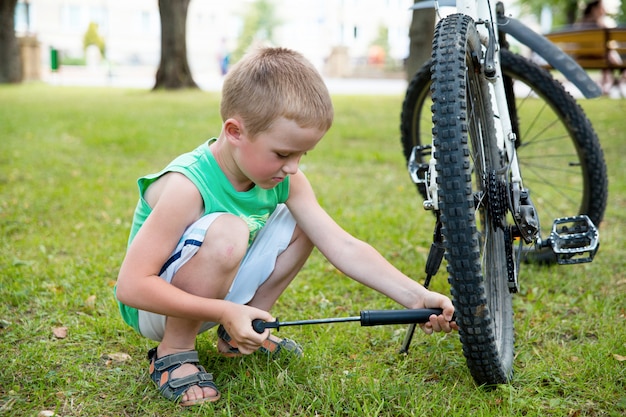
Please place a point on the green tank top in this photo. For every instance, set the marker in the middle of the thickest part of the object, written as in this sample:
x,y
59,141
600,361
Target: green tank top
x,y
254,206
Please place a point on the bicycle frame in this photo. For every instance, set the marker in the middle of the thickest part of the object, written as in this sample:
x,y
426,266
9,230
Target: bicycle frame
x,y
490,21
485,12
487,19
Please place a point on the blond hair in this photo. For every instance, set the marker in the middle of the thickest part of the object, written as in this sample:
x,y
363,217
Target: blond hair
x,y
270,83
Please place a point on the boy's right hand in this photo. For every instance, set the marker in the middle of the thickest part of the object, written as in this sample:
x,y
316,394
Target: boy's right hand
x,y
443,322
237,320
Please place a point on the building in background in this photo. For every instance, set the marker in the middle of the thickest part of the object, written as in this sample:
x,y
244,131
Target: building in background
x,y
322,30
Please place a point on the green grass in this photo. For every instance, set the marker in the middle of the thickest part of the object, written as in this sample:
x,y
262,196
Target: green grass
x,y
69,158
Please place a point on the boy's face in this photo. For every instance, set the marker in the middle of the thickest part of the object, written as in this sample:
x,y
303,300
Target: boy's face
x,y
272,155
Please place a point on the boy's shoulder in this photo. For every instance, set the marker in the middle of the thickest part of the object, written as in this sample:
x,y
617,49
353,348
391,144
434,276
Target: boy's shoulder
x,y
202,152
196,164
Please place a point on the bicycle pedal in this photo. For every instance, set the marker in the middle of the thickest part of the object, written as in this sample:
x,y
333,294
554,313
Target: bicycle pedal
x,y
419,170
574,240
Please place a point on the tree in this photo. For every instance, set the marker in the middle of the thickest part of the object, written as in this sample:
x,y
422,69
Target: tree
x,y
92,37
621,13
10,63
565,12
174,72
421,39
259,23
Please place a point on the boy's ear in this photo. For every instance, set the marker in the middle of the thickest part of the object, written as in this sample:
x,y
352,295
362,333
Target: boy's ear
x,y
233,129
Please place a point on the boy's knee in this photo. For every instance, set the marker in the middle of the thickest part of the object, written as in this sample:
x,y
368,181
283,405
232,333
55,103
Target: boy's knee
x,y
227,239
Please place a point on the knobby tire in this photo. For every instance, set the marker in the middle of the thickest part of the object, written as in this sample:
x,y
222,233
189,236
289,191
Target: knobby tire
x,y
469,167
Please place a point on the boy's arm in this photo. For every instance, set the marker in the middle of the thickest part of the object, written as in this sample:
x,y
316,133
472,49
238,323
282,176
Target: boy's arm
x,y
358,259
177,205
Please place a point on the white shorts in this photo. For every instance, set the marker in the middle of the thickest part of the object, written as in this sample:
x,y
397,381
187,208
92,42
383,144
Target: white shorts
x,y
256,266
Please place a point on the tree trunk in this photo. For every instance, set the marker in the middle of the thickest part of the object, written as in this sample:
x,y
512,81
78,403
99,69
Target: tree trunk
x,y
10,63
421,36
174,72
571,12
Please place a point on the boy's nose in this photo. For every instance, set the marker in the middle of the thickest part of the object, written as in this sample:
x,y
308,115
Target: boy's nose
x,y
291,166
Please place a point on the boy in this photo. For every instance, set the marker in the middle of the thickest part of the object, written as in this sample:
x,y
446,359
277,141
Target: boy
x,y
248,220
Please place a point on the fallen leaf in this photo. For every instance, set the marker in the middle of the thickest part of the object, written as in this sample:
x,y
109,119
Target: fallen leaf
x,y
117,357
619,357
90,302
60,332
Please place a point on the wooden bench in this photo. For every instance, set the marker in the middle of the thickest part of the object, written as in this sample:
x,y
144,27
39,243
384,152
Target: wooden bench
x,y
591,47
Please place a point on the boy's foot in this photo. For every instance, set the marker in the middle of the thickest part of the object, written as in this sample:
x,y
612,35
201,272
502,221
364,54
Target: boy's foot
x,y
181,378
274,346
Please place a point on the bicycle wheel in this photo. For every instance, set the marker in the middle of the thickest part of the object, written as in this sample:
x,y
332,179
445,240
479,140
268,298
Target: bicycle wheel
x,y
559,153
472,201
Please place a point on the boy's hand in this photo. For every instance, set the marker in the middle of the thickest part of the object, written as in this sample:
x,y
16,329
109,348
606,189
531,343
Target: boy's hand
x,y
237,320
442,322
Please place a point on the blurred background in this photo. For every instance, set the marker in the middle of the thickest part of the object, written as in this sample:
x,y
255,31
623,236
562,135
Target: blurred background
x,y
120,42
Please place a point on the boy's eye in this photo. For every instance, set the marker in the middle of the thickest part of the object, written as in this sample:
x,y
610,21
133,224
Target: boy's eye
x,y
287,155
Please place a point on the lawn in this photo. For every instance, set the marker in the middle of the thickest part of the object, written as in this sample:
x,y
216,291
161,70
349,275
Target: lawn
x,y
69,159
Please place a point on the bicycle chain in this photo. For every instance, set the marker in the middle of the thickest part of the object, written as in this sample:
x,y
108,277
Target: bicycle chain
x,y
510,262
496,198
497,206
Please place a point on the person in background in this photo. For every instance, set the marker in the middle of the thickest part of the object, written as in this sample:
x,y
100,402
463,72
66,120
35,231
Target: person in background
x,y
594,16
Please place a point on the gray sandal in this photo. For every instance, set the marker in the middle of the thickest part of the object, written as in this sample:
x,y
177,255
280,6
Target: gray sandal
x,y
284,347
174,388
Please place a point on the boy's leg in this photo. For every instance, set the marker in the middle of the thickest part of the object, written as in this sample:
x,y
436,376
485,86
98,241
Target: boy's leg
x,y
209,274
278,253
288,264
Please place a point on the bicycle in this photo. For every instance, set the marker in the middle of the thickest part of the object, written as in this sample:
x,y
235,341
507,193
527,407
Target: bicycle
x,y
473,95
